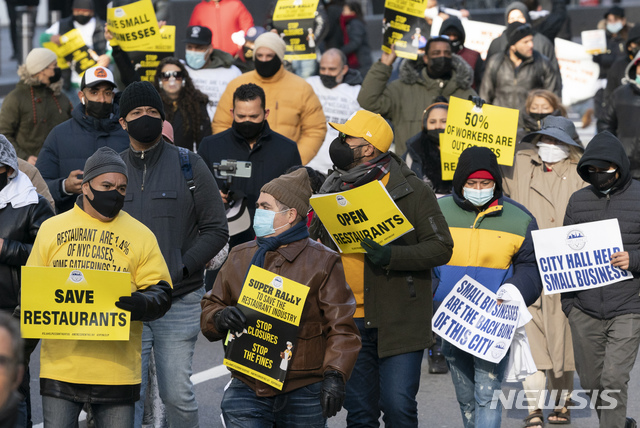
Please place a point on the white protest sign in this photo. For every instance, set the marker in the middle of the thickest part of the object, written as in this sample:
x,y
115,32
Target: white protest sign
x,y
470,319
579,72
594,41
577,257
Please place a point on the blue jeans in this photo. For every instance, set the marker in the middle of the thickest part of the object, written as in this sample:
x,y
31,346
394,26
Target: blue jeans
x,y
475,381
242,408
386,384
60,413
173,339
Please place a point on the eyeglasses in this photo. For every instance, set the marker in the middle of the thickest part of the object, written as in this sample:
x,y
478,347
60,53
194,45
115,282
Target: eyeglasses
x,y
166,75
343,139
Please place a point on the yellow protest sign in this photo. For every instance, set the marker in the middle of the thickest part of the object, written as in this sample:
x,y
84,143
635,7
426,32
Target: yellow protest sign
x,y
72,50
467,126
63,303
295,22
401,26
147,62
134,26
364,212
273,307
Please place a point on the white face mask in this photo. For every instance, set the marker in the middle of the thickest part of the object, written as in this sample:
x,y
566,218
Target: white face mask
x,y
615,27
478,197
552,153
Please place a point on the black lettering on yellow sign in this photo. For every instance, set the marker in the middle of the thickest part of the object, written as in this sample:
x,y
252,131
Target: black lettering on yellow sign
x,y
73,296
130,22
370,233
75,318
357,217
135,35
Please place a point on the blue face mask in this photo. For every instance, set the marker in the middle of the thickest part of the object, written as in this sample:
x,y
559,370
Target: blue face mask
x,y
263,222
638,80
615,27
478,197
196,59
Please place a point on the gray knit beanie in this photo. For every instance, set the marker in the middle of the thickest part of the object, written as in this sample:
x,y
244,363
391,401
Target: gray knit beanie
x,y
104,160
140,94
8,155
293,190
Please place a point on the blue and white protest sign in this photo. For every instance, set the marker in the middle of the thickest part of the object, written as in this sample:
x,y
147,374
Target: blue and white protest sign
x,y
578,257
470,319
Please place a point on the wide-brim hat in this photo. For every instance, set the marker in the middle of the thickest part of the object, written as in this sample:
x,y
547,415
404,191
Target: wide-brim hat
x,y
557,127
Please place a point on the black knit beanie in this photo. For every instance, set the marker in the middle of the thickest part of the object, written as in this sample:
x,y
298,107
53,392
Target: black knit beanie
x,y
140,94
103,161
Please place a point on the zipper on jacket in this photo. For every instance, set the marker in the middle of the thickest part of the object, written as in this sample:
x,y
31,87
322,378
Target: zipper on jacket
x,y
144,175
412,287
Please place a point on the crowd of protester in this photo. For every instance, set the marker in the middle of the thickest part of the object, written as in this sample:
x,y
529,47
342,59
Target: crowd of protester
x,y
208,169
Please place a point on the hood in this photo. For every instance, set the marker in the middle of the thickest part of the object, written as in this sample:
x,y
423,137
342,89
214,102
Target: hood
x,y
353,77
475,159
93,124
219,59
605,147
30,80
412,72
453,22
521,7
633,36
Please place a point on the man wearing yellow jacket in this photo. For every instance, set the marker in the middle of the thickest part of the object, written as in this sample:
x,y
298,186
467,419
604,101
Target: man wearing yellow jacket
x,y
104,374
295,110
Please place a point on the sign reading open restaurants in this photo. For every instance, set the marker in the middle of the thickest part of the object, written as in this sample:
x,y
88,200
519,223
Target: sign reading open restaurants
x,y
578,257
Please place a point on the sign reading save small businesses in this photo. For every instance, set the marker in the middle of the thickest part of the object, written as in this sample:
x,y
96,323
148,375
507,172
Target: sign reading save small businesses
x,y
364,212
273,306
134,26
578,257
73,304
467,126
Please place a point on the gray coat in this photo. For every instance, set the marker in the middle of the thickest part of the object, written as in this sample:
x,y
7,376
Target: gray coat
x,y
190,228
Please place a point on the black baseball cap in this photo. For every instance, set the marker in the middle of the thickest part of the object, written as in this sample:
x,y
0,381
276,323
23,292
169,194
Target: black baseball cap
x,y
198,35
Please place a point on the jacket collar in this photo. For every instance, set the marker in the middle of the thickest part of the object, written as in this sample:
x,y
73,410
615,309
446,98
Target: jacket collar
x,y
398,186
291,250
93,124
276,77
149,157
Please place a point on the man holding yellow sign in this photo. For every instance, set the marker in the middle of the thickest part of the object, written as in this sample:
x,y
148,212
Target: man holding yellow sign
x,y
95,236
392,284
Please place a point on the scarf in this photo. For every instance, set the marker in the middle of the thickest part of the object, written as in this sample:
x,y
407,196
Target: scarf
x,y
19,192
364,173
296,233
352,58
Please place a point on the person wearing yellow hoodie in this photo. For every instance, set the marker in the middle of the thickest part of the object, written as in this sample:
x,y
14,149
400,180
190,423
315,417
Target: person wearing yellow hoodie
x,y
295,109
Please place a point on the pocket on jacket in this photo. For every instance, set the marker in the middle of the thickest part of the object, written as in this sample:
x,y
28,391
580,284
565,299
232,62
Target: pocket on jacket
x,y
308,352
163,203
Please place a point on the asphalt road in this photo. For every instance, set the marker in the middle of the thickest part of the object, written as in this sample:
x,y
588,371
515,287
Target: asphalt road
x,y
437,405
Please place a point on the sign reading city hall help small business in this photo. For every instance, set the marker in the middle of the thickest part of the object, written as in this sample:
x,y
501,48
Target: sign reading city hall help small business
x,y
578,257
273,307
64,303
364,212
470,319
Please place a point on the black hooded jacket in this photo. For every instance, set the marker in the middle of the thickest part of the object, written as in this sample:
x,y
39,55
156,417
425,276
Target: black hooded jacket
x,y
622,203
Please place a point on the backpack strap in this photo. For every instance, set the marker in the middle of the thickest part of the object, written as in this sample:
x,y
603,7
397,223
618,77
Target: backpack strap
x,y
187,171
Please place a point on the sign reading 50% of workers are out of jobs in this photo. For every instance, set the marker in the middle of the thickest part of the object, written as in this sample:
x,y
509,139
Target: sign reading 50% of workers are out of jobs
x,y
467,126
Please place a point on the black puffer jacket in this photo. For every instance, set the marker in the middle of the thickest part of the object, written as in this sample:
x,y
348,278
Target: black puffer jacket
x,y
623,203
18,228
621,117
423,157
506,85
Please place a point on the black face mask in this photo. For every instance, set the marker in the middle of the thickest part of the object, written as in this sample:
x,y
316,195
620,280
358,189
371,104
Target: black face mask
x,y
247,129
439,66
328,81
4,179
341,154
433,135
520,56
538,116
98,110
82,19
145,129
268,68
108,203
634,51
456,46
602,180
57,74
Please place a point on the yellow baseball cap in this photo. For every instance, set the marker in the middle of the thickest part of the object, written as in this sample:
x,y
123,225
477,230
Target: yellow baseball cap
x,y
370,126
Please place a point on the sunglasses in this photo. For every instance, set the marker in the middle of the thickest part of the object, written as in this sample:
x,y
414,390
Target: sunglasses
x,y
166,75
343,139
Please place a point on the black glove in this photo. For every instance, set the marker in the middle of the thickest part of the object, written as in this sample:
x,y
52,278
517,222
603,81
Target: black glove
x,y
136,304
479,102
332,393
597,58
230,318
379,255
